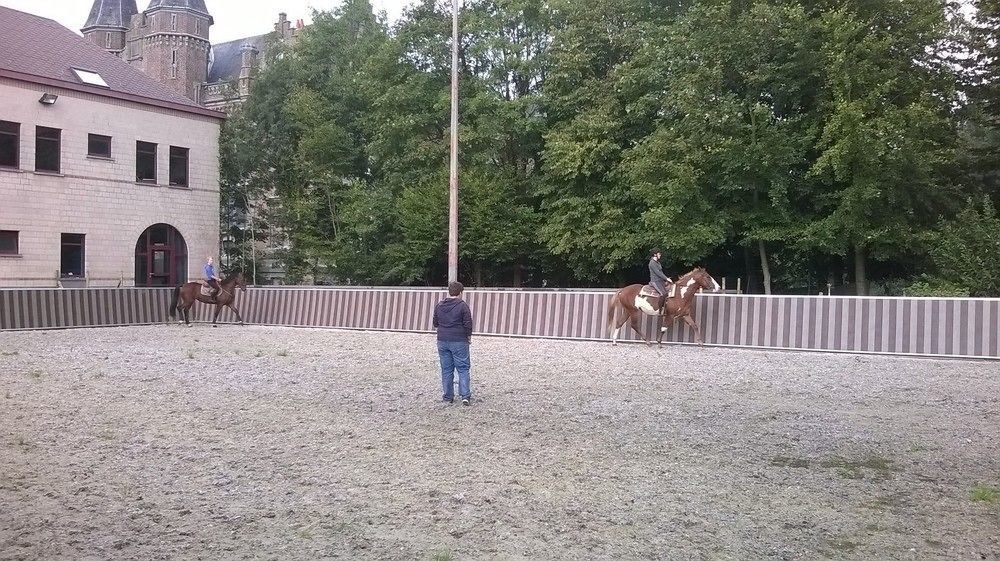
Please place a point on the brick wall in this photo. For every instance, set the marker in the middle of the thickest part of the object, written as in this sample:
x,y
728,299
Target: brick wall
x,y
100,198
159,43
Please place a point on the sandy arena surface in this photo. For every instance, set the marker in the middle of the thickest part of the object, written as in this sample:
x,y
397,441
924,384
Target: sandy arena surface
x,y
270,443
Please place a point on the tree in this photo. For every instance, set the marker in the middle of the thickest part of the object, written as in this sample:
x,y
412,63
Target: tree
x,y
733,130
887,132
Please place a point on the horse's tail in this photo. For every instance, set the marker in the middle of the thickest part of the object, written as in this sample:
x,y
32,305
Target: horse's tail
x,y
173,302
612,308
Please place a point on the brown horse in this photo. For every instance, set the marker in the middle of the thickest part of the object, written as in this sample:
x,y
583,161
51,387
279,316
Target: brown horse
x,y
633,305
185,296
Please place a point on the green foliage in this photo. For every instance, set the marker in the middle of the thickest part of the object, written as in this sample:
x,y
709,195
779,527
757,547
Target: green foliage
x,y
802,138
930,287
966,250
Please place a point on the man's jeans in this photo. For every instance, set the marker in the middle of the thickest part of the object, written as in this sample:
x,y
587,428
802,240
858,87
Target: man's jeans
x,y
454,356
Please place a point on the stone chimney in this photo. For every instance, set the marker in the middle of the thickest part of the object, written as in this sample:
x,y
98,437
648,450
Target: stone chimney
x,y
284,27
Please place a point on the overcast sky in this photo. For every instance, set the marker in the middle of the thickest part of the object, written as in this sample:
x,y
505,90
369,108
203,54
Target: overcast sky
x,y
234,19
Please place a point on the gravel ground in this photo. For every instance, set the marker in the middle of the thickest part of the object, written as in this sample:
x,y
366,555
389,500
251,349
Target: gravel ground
x,y
242,443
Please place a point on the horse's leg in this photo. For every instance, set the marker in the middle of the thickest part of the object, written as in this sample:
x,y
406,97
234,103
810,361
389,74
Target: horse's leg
x,y
660,330
187,316
612,309
239,318
617,331
215,316
634,322
697,330
180,308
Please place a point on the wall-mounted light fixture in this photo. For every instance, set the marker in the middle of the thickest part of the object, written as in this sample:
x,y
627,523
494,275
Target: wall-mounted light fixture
x,y
48,99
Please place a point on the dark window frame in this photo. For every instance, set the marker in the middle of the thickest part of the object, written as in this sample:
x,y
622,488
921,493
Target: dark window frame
x,y
17,242
90,146
139,153
12,129
46,141
74,241
177,154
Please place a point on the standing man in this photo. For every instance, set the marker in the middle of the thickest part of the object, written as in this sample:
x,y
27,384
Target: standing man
x,y
211,278
657,279
453,322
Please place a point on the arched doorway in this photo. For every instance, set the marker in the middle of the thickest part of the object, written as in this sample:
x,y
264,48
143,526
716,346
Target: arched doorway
x,y
160,257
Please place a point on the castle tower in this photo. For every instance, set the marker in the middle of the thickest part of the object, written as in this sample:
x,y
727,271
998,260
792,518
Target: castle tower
x,y
174,44
108,22
248,61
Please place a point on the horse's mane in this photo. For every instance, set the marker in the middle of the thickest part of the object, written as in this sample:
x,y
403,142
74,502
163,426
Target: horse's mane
x,y
231,278
688,276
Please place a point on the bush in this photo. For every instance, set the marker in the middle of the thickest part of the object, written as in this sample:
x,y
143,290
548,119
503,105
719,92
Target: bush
x,y
928,287
966,250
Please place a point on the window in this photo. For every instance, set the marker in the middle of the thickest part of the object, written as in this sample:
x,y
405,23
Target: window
x,y
8,242
178,166
197,26
107,40
173,63
72,256
47,149
10,145
99,146
91,78
173,22
145,162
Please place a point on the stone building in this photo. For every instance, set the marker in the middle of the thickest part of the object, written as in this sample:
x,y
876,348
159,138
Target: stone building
x,y
107,176
170,42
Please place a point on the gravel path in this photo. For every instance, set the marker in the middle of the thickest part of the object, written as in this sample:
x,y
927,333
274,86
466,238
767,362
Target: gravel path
x,y
157,443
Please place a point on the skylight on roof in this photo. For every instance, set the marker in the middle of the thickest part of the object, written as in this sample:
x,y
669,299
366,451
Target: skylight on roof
x,y
92,78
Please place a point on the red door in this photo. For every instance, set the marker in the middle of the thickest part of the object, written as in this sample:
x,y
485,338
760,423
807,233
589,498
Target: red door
x,y
160,257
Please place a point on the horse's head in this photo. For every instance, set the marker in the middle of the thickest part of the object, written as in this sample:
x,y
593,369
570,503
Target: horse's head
x,y
240,283
705,280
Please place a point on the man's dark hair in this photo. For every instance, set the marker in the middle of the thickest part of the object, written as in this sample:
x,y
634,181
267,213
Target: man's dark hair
x,y
654,252
455,289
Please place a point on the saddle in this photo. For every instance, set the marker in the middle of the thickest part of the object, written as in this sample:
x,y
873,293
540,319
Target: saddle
x,y
648,291
206,289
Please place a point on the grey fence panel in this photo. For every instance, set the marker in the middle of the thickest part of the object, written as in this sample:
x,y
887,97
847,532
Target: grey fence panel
x,y
910,326
99,307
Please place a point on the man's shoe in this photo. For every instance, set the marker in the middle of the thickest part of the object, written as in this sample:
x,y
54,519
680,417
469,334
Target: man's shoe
x,y
448,399
466,401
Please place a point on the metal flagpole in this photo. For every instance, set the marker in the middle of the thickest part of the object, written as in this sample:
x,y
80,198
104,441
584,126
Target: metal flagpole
x,y
453,183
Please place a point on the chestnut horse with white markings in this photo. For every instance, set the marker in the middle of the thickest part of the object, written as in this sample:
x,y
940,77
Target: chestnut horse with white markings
x,y
634,302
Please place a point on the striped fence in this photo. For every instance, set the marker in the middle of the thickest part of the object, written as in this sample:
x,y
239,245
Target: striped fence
x,y
906,326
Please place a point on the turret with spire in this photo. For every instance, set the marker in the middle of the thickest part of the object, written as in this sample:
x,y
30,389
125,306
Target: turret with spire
x,y
108,24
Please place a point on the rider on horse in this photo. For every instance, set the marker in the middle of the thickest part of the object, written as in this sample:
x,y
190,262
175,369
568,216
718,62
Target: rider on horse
x,y
657,279
211,278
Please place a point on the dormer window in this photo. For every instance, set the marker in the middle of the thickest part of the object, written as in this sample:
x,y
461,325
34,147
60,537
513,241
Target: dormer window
x,y
90,78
